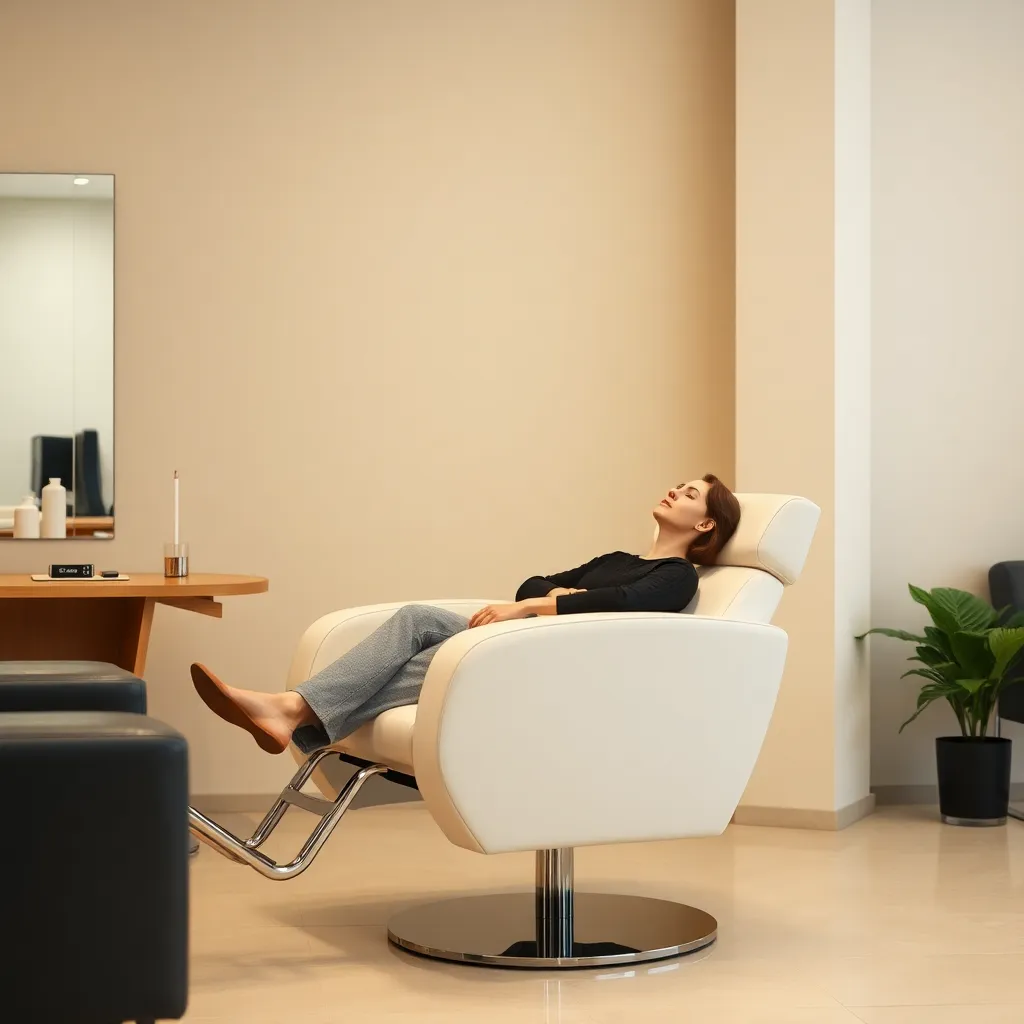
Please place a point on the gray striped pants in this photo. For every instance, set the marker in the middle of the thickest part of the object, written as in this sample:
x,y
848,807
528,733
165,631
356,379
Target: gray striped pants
x,y
384,671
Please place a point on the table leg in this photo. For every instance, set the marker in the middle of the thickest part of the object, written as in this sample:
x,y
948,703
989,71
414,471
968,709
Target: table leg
x,y
140,639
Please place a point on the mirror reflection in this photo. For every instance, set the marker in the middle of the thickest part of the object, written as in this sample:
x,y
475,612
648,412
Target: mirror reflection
x,y
56,355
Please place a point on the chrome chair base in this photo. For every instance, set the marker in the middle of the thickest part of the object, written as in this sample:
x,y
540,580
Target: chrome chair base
x,y
552,927
504,931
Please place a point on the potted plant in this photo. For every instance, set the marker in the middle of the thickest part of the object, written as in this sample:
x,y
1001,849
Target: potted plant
x,y
964,657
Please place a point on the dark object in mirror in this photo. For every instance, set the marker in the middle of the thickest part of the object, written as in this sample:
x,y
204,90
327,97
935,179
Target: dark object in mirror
x,y
88,487
52,458
70,459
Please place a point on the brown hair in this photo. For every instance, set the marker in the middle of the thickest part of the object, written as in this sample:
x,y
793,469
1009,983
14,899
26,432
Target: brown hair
x,y
724,509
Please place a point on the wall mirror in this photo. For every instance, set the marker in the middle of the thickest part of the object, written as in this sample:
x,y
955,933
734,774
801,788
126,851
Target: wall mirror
x,y
57,353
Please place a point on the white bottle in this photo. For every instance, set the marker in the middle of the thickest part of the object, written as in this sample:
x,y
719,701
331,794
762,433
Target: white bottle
x,y
55,509
26,518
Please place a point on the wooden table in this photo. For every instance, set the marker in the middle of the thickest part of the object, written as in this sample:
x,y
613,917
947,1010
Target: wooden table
x,y
103,620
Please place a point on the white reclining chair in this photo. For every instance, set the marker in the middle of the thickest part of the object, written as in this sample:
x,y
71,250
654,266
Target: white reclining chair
x,y
511,722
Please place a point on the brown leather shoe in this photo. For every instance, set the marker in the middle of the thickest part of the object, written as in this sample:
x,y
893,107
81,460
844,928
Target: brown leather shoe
x,y
216,697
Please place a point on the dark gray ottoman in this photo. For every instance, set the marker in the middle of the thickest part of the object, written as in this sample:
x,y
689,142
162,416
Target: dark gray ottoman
x,y
69,686
72,686
93,868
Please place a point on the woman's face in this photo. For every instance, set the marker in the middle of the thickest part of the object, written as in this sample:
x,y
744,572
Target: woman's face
x,y
685,507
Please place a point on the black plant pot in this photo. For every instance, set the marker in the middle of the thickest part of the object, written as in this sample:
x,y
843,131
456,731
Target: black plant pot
x,y
974,779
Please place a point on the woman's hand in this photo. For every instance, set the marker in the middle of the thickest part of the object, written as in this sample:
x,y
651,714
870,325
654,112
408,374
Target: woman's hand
x,y
520,610
499,613
558,591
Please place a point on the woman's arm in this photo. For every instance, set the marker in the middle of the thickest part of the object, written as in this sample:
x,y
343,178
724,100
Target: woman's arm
x,y
541,586
668,588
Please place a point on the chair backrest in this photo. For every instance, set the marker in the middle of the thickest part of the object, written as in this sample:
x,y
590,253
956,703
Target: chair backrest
x,y
1006,588
766,554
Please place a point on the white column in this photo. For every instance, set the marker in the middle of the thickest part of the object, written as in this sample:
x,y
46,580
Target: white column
x,y
803,377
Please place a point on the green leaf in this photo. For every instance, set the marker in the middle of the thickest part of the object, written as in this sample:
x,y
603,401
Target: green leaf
x,y
896,634
955,611
1009,618
924,673
911,718
951,692
929,655
1005,645
939,640
950,671
972,613
933,675
973,653
972,686
928,695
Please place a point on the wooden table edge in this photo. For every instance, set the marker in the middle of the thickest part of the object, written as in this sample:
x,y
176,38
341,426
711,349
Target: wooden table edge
x,y
149,585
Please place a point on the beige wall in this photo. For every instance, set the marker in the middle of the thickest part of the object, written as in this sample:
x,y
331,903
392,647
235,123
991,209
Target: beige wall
x,y
802,376
947,476
419,298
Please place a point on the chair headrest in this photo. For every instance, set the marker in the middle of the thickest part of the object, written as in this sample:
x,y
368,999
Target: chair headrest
x,y
774,535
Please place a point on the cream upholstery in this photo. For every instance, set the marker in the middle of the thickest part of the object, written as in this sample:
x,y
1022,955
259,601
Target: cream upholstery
x,y
774,534
767,551
587,729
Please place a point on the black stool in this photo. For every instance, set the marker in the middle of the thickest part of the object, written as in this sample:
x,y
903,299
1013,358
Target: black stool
x,y
93,868
69,686
73,686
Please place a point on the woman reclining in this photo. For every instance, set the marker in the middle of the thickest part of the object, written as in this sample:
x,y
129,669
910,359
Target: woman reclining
x,y
387,669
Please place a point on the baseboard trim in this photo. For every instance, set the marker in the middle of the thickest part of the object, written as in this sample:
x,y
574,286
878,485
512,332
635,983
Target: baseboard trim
x,y
851,813
799,817
891,795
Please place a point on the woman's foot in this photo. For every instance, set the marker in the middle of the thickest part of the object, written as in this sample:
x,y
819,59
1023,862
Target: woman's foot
x,y
270,718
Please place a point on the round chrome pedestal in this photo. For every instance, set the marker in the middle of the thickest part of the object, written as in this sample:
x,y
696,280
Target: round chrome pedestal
x,y
505,931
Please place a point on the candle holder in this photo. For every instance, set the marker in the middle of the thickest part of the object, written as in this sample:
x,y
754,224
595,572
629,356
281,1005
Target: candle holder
x,y
175,560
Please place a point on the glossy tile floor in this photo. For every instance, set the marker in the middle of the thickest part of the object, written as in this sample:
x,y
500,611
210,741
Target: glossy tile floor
x,y
897,920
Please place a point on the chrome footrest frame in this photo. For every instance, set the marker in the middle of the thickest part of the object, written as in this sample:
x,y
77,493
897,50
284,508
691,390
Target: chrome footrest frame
x,y
246,851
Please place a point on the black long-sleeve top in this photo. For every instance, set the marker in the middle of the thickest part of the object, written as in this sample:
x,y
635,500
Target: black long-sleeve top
x,y
619,582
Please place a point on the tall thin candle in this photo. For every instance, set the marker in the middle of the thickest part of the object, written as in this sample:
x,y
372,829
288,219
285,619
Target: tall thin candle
x,y
176,508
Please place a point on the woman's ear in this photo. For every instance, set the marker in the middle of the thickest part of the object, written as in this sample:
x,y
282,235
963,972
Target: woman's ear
x,y
705,526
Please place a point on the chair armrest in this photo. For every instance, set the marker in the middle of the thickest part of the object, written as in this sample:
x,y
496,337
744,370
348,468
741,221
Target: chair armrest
x,y
590,729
